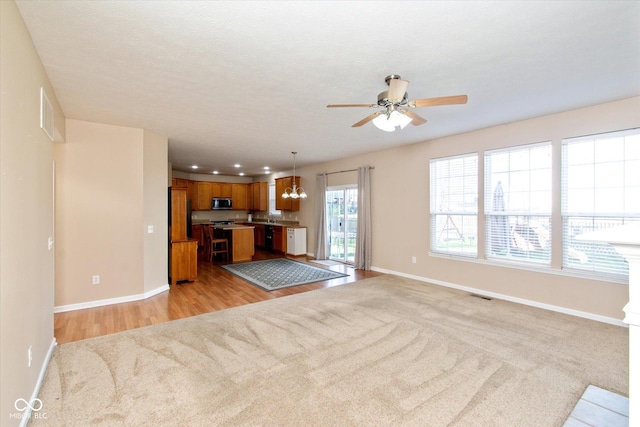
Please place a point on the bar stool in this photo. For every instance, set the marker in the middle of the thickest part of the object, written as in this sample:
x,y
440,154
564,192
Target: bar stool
x,y
217,246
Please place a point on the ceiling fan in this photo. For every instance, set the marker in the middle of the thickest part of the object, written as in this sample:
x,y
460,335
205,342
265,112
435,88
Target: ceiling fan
x,y
397,109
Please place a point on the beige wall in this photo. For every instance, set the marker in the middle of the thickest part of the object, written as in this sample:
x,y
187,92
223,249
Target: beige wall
x,y
155,211
110,185
400,205
26,214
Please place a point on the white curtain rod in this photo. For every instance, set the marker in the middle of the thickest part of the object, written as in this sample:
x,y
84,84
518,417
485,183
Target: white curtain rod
x,y
348,170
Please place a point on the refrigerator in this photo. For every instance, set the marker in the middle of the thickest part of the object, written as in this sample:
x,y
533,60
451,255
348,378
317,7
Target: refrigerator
x,y
297,241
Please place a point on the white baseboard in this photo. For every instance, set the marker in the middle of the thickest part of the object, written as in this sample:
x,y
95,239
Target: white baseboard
x,y
26,416
118,300
578,313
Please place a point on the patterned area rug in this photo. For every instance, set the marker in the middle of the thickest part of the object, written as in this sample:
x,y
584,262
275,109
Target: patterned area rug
x,y
280,273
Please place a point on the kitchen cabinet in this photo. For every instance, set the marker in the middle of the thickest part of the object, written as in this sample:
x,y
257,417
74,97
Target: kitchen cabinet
x,y
259,196
183,252
221,189
259,236
188,184
286,204
178,228
279,239
179,183
184,261
196,233
203,196
239,196
201,192
240,238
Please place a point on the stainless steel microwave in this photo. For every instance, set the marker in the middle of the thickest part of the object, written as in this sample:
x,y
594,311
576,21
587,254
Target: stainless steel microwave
x,y
221,203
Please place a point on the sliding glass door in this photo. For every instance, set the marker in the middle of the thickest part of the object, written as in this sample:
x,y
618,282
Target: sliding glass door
x,y
342,218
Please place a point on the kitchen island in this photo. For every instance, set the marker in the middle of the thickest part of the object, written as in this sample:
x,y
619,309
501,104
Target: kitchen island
x,y
240,239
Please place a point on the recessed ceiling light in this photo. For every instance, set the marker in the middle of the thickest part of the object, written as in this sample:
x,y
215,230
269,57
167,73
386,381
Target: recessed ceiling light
x,y
215,172
241,174
266,168
236,165
194,167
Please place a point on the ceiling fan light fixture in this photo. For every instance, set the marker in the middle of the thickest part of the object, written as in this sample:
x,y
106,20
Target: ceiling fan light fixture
x,y
389,122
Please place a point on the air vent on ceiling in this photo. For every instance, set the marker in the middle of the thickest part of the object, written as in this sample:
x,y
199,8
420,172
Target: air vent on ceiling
x,y
46,114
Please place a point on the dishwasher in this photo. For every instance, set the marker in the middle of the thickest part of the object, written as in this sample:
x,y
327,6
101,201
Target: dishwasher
x,y
297,241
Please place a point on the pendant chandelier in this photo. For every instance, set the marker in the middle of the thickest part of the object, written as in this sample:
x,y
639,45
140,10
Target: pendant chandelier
x,y
294,192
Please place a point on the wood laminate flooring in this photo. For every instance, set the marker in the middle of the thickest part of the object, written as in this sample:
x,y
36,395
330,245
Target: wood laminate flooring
x,y
215,289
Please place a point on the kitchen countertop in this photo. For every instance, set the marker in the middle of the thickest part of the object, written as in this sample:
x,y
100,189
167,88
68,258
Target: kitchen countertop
x,y
276,224
231,226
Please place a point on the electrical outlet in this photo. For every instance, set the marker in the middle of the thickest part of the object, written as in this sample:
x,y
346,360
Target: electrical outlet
x,y
29,356
50,243
413,259
150,229
95,280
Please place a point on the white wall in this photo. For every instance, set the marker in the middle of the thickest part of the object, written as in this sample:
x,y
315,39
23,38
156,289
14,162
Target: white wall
x,y
400,205
155,211
110,186
26,215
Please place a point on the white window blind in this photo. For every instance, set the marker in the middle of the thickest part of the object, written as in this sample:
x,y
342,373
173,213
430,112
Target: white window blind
x,y
600,189
517,203
454,204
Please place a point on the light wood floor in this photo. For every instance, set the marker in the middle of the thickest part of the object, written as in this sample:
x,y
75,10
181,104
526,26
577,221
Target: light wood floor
x,y
216,289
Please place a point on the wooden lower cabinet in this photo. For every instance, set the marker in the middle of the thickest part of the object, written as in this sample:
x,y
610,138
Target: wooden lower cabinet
x,y
196,233
184,261
279,242
259,236
242,244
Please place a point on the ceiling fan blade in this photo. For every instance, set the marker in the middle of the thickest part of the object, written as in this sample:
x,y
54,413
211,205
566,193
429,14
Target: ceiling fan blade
x,y
351,105
416,119
367,119
444,100
397,89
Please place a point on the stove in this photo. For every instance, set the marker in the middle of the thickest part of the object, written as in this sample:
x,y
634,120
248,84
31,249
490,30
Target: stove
x,y
222,222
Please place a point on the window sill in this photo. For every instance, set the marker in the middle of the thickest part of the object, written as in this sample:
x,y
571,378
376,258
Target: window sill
x,y
546,269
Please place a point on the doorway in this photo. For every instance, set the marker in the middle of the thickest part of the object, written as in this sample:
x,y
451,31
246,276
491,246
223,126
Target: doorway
x,y
342,220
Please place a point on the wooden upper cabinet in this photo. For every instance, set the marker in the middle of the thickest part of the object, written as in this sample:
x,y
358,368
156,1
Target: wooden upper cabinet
x,y
225,188
179,183
221,189
178,214
239,196
201,192
203,196
286,204
259,196
188,185
216,189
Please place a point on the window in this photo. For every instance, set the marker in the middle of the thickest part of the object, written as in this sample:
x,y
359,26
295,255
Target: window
x,y
517,203
600,189
272,200
454,204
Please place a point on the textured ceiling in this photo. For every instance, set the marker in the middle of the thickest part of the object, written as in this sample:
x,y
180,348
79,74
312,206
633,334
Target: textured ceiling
x,y
248,82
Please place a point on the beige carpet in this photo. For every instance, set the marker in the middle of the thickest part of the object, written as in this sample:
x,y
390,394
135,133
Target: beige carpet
x,y
385,351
